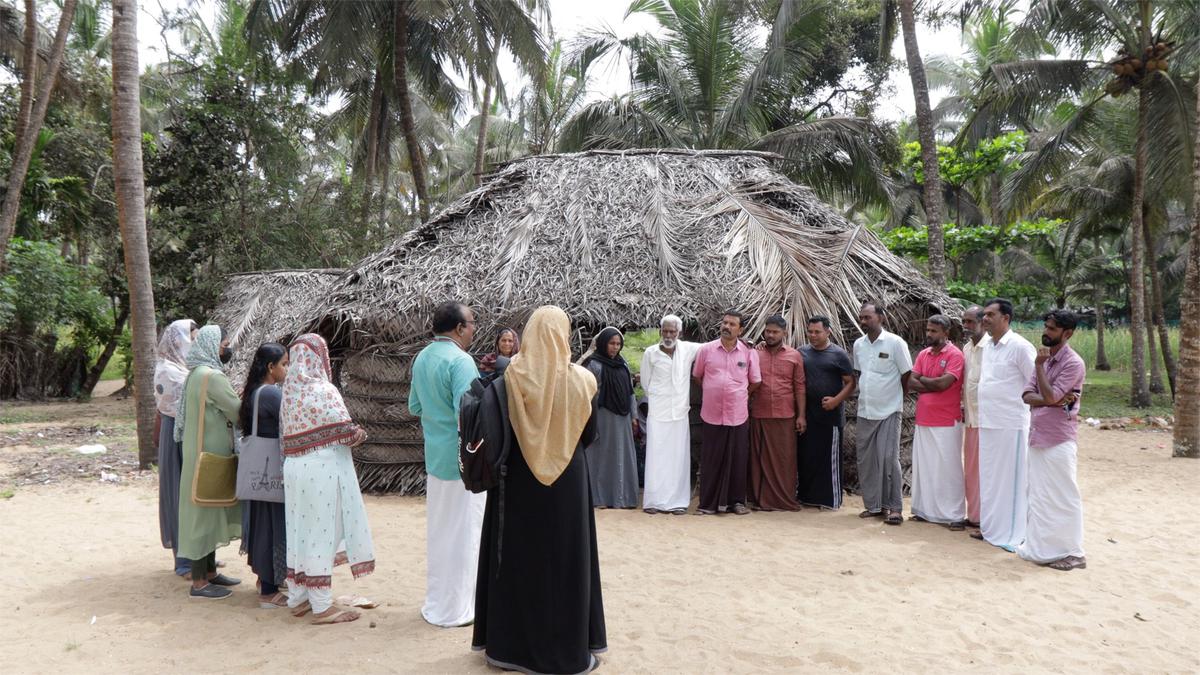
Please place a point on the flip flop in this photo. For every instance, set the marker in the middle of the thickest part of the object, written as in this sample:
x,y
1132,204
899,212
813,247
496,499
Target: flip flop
x,y
340,616
277,601
301,609
977,535
894,519
1068,563
871,514
357,601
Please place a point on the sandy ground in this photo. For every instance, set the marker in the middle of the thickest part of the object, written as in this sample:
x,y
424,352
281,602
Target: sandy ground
x,y
89,588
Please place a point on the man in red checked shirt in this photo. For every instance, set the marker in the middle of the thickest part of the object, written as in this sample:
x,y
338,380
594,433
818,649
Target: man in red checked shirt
x,y
938,494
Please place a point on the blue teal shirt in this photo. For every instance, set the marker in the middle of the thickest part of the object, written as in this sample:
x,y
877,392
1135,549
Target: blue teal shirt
x,y
441,374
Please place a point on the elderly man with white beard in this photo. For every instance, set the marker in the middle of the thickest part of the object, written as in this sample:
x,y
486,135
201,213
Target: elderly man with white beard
x,y
666,378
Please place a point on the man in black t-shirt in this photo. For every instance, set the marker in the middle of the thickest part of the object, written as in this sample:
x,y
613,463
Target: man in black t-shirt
x,y
829,378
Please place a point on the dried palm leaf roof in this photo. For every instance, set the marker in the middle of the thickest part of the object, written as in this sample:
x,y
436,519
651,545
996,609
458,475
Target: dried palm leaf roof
x,y
622,238
258,307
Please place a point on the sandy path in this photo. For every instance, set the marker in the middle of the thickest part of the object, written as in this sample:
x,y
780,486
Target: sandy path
x,y
768,592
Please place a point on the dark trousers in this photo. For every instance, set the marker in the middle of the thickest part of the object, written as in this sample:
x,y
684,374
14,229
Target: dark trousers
x,y
724,455
203,566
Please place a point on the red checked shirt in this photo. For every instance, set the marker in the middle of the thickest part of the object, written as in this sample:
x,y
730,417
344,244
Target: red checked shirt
x,y
782,387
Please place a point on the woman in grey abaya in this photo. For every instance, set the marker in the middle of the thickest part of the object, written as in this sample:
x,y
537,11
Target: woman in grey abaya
x,y
612,456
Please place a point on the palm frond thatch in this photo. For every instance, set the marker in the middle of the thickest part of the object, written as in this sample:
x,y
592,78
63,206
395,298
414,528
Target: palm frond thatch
x,y
614,238
258,307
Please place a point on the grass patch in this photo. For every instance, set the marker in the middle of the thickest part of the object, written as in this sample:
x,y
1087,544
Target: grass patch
x,y
7,493
115,370
1106,394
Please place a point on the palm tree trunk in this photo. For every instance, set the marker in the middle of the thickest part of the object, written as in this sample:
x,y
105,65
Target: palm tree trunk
x,y
484,113
28,133
1140,392
372,147
1156,381
29,68
1158,313
1187,393
408,126
933,183
996,185
1101,356
110,347
131,216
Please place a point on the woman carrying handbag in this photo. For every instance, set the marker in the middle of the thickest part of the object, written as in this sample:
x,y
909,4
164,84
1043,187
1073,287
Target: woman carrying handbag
x,y
260,473
209,513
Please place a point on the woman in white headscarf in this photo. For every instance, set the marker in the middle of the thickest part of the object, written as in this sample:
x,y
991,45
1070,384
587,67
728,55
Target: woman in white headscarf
x,y
170,372
538,607
326,520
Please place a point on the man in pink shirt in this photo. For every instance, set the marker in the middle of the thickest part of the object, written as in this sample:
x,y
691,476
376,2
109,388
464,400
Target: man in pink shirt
x,y
727,371
937,470
1054,530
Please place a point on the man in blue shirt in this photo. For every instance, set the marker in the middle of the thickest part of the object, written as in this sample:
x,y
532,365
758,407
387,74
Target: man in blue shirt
x,y
441,374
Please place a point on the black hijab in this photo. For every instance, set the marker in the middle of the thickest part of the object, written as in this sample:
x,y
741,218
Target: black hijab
x,y
616,385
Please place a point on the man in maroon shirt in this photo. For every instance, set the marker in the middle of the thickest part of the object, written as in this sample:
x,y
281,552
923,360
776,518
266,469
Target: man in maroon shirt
x,y
1054,525
776,416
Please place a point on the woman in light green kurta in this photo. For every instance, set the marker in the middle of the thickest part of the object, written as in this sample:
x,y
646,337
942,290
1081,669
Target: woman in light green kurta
x,y
202,529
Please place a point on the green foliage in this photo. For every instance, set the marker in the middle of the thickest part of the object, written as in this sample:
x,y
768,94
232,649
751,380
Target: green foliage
x,y
993,155
964,241
42,293
976,293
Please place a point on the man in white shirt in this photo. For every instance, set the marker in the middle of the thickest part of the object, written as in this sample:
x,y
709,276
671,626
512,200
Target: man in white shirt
x,y
1005,369
972,322
883,365
666,376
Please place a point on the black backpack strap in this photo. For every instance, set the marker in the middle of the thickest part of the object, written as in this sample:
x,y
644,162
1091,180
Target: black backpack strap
x,y
502,400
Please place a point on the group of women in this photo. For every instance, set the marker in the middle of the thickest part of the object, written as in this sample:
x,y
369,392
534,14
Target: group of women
x,y
288,396
538,599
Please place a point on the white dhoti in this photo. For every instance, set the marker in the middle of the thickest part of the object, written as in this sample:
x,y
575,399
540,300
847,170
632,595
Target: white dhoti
x,y
668,465
938,493
454,521
1003,497
1055,523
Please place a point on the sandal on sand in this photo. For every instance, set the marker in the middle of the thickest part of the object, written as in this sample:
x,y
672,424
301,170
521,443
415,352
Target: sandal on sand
x,y
957,526
977,534
301,609
340,616
357,601
871,514
272,601
917,518
1068,563
894,518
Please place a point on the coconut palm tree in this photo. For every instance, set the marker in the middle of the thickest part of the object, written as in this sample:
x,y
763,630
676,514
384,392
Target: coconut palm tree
x,y
971,109
932,184
131,216
1142,39
1187,393
387,53
31,113
711,81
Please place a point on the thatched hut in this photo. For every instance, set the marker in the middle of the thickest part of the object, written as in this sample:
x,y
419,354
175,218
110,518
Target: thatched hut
x,y
614,238
258,307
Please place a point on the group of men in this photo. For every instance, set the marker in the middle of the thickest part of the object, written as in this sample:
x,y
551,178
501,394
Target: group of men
x,y
995,442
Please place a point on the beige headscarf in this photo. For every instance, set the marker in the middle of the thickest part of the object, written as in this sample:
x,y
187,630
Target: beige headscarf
x,y
549,398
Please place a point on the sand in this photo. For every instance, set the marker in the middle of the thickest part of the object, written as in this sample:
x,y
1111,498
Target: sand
x,y
90,589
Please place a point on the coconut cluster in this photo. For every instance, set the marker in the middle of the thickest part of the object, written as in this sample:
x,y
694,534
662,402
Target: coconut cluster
x,y
1131,69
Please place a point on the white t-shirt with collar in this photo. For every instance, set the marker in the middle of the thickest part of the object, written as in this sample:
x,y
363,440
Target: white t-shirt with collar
x,y
880,364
